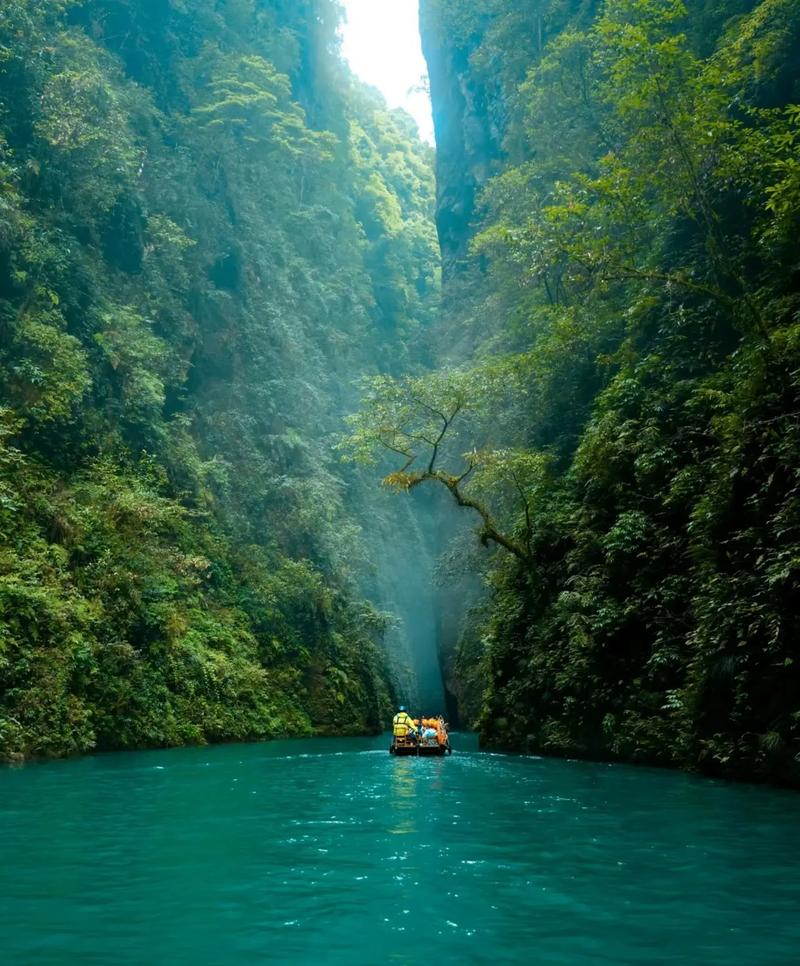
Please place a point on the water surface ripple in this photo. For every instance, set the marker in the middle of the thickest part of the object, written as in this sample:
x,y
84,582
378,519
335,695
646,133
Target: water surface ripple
x,y
331,851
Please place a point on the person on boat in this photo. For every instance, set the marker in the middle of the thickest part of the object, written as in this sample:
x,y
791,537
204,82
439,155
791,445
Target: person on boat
x,y
403,724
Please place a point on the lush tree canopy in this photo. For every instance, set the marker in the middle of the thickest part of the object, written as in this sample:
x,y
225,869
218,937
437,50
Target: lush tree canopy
x,y
208,228
209,233
636,260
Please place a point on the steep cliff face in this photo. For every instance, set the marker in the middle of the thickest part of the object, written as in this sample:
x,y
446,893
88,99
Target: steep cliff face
x,y
478,55
618,210
468,121
468,139
209,231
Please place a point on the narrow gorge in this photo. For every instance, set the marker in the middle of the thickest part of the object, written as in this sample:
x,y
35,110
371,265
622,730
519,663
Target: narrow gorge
x,y
238,291
399,482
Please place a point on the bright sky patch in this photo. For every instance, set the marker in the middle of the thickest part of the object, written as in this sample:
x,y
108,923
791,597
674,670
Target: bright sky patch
x,y
381,42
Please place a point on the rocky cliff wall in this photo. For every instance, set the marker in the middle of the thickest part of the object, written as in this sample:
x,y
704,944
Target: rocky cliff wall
x,y
467,136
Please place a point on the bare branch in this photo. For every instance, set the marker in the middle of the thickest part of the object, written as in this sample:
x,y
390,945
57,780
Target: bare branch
x,y
466,474
395,449
488,531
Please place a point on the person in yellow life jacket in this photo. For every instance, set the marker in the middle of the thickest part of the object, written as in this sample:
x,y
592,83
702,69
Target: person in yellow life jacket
x,y
403,724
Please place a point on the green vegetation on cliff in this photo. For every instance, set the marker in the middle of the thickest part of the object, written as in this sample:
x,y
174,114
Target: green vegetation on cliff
x,y
207,229
626,332
209,232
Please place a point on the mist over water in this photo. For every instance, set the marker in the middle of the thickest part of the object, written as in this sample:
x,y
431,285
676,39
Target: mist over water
x,y
408,539
415,604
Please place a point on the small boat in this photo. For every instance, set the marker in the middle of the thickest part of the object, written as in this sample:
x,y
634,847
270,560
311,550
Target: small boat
x,y
424,744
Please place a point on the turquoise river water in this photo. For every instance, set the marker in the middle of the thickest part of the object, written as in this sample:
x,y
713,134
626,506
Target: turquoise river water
x,y
331,851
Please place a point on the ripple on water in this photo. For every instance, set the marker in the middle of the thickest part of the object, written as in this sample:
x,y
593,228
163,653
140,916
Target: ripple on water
x,y
335,852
